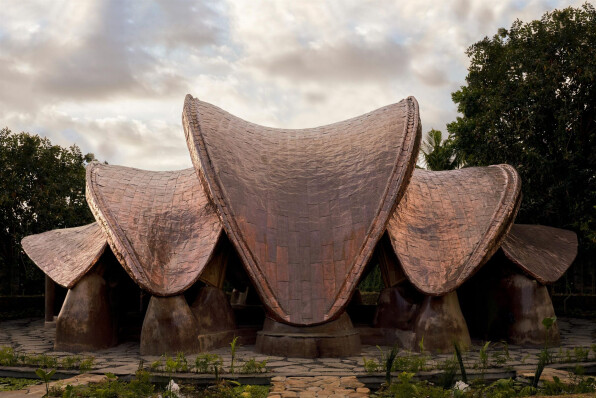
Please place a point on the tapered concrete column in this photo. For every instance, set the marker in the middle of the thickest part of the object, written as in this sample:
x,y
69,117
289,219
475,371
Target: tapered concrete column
x,y
526,304
215,318
169,327
337,338
440,323
49,299
85,322
394,310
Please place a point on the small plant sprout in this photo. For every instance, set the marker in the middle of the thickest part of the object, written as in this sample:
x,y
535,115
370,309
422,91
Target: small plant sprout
x,y
389,363
544,356
460,361
233,347
46,377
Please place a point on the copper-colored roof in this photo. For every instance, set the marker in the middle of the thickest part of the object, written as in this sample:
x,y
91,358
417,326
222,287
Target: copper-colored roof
x,y
160,225
543,252
65,255
449,223
305,208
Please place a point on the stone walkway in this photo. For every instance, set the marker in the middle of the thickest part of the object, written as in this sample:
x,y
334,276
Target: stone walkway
x,y
29,336
320,386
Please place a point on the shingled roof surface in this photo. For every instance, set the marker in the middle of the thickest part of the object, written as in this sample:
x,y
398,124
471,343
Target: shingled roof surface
x,y
66,255
160,225
543,252
449,223
304,208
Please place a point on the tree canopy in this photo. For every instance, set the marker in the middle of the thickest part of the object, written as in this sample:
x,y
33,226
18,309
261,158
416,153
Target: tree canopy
x,y
530,101
439,154
42,187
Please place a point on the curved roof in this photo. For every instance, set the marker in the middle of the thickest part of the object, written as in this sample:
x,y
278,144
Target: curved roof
x,y
305,208
541,251
65,255
159,224
449,223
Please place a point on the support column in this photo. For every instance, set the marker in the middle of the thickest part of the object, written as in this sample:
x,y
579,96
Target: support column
x,y
526,303
85,322
215,318
169,327
337,338
49,299
440,323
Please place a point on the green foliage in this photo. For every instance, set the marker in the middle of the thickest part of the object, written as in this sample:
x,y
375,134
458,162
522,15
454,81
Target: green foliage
x,y
11,383
70,362
404,387
208,363
389,360
544,357
581,385
254,366
408,362
42,360
372,281
176,364
581,354
140,386
8,356
460,361
370,365
483,362
449,369
530,102
46,376
233,347
439,154
42,187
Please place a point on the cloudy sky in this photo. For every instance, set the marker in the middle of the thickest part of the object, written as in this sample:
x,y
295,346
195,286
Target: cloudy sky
x,y
111,76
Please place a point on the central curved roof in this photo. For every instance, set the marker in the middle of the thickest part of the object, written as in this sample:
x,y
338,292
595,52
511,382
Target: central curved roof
x,y
305,208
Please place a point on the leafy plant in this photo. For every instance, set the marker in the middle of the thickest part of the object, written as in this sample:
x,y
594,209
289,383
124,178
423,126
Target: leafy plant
x,y
208,363
70,362
460,361
581,354
46,377
254,366
155,365
233,347
11,383
389,363
7,356
544,356
449,368
483,358
370,365
86,364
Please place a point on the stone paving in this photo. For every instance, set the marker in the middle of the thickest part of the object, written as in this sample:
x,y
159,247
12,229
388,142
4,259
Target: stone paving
x,y
29,336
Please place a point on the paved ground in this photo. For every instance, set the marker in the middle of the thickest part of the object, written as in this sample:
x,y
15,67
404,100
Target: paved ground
x,y
31,337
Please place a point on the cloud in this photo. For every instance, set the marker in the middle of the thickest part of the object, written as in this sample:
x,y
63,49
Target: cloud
x,y
111,76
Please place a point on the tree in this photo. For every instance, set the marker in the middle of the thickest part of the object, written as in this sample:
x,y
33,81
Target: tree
x,y
530,101
439,154
42,187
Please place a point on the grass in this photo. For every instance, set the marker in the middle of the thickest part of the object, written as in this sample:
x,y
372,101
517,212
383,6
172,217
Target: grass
x,y
141,386
12,383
